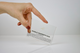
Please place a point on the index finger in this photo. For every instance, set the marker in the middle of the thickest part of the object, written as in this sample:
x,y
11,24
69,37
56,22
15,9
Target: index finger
x,y
37,13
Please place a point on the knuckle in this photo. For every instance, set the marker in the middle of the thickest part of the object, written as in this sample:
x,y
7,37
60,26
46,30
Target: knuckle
x,y
30,3
29,8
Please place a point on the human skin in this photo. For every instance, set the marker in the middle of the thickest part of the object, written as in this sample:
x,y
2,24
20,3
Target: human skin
x,y
22,12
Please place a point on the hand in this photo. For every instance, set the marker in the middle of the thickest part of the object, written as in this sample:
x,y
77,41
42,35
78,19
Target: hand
x,y
22,12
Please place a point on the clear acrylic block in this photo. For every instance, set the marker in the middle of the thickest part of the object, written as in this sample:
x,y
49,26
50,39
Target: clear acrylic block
x,y
41,33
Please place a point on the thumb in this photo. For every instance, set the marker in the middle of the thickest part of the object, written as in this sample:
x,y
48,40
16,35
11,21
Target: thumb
x,y
23,21
26,25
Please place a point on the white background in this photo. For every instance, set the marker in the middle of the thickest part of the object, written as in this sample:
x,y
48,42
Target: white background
x,y
64,14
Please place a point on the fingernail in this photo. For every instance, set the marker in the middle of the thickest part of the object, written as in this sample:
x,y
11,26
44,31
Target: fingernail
x,y
28,27
29,31
18,24
46,21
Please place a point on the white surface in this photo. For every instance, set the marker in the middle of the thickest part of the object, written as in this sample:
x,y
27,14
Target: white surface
x,y
19,44
64,14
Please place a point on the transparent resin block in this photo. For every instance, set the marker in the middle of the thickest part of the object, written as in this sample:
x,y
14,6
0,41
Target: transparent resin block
x,y
41,33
